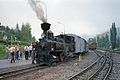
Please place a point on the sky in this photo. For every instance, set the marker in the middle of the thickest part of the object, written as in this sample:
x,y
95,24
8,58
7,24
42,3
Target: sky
x,y
80,17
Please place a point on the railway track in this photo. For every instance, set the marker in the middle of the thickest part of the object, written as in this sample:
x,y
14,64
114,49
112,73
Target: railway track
x,y
19,72
99,70
8,74
116,51
115,73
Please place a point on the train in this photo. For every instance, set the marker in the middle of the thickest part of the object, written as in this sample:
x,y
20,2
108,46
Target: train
x,y
52,49
92,45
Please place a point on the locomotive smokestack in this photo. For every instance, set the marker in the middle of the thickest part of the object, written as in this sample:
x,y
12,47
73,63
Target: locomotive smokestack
x,y
45,26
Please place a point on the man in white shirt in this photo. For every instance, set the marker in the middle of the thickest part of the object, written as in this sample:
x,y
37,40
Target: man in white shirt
x,y
26,52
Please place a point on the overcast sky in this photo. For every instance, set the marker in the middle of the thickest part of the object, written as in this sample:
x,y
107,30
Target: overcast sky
x,y
77,16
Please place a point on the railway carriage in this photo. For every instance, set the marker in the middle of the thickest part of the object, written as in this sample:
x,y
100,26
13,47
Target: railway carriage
x,y
92,45
81,45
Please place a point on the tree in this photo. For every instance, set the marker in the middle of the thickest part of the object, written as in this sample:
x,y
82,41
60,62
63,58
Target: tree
x,y
26,32
113,34
107,41
98,45
18,33
23,34
33,38
7,32
17,28
29,30
103,41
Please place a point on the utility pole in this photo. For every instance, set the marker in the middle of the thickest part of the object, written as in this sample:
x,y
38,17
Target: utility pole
x,y
63,26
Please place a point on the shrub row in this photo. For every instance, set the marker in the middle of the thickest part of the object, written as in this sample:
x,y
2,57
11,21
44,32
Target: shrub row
x,y
2,51
14,42
3,44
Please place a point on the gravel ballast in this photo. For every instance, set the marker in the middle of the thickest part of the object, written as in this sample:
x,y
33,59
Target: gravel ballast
x,y
62,71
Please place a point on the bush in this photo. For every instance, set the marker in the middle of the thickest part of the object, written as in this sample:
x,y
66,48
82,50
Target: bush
x,y
119,48
4,43
2,51
14,42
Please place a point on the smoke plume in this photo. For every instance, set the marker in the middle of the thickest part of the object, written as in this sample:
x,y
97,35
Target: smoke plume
x,y
37,7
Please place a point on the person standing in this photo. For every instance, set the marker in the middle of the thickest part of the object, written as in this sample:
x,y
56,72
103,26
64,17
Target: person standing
x,y
20,53
12,52
30,50
17,53
33,55
26,52
7,53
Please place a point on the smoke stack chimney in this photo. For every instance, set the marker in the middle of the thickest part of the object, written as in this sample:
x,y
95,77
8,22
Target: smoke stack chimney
x,y
45,26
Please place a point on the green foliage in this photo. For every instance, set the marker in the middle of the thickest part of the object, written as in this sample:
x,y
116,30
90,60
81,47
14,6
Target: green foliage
x,y
26,32
14,43
103,42
4,43
118,43
2,51
113,34
17,34
33,38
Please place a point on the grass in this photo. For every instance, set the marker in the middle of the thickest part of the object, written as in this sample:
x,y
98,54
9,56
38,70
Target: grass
x,y
2,51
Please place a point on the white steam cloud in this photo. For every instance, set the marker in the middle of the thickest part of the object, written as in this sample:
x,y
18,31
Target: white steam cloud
x,y
37,7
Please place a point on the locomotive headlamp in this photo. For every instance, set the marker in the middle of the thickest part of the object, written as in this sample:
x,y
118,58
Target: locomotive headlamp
x,y
52,49
43,35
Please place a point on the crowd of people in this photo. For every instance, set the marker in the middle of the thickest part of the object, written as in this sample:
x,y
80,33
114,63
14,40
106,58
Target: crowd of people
x,y
14,53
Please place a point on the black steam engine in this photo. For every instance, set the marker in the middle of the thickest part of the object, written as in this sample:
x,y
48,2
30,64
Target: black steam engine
x,y
52,49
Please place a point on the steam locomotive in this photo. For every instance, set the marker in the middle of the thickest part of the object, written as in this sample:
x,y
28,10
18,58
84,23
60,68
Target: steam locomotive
x,y
52,49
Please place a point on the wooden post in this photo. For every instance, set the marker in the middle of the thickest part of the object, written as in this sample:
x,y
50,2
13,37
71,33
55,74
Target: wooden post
x,y
80,57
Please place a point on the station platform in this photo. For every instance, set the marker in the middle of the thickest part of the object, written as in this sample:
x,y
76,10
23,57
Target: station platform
x,y
6,63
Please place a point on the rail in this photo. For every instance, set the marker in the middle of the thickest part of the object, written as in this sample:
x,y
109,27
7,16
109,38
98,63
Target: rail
x,y
20,71
105,57
72,77
99,69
